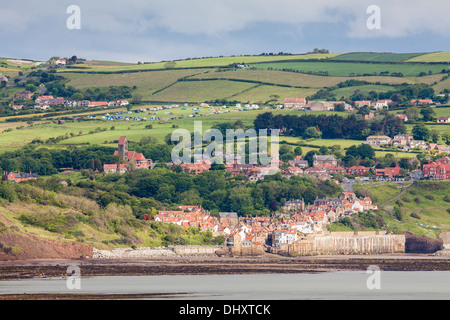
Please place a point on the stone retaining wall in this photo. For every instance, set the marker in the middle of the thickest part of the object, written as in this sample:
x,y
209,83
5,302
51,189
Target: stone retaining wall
x,y
346,243
175,251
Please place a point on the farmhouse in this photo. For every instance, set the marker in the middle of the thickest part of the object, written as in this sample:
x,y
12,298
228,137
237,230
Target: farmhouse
x,y
381,104
443,120
18,177
23,95
378,140
112,168
421,102
294,103
321,106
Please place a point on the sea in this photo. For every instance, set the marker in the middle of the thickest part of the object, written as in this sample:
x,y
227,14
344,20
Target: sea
x,y
341,285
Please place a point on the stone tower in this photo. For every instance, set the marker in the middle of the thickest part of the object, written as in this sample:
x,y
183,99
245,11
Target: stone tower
x,y
123,148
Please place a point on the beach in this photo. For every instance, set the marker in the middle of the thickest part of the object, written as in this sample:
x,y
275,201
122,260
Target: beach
x,y
27,269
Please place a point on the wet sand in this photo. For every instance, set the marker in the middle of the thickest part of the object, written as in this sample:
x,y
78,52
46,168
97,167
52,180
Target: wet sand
x,y
14,270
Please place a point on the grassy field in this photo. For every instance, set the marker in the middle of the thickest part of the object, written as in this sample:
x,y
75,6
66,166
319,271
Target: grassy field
x,y
432,57
201,91
263,93
197,63
349,91
343,69
442,85
442,112
146,82
377,57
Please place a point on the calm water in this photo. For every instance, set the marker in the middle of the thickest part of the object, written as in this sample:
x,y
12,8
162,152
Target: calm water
x,y
329,285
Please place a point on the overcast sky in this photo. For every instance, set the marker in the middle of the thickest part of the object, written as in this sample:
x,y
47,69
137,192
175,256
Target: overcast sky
x,y
155,30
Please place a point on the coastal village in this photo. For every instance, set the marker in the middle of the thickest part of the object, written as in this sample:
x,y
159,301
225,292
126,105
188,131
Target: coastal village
x,y
295,220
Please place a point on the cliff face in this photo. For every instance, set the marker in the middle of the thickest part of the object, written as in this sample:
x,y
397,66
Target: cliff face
x,y
417,244
15,246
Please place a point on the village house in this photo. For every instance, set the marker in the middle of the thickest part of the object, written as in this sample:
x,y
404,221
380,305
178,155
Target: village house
x,y
285,236
443,120
321,105
380,104
363,103
403,117
402,140
23,95
113,168
376,141
319,160
196,168
118,103
388,172
294,103
228,218
19,176
421,102
94,104
369,116
318,172
437,170
358,171
296,205
292,171
298,162
49,101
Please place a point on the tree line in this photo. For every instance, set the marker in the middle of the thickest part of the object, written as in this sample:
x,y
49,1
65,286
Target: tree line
x,y
330,126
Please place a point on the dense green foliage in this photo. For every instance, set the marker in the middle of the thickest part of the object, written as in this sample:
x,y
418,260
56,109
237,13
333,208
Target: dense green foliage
x,y
330,127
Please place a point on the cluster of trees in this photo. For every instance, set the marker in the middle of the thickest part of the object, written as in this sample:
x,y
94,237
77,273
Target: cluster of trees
x,y
105,209
401,95
215,191
44,161
330,126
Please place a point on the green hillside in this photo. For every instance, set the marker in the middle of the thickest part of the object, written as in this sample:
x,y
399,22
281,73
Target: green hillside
x,y
432,57
421,208
377,57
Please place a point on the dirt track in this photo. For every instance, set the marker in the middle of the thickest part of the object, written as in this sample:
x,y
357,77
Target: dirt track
x,y
185,266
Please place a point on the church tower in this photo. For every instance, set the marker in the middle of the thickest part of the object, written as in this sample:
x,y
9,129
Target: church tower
x,y
123,148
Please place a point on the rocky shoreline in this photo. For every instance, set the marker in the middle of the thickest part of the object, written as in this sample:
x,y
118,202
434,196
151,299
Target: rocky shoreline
x,y
198,266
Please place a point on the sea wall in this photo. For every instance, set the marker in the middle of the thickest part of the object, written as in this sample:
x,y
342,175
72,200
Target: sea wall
x,y
201,251
162,252
240,251
346,243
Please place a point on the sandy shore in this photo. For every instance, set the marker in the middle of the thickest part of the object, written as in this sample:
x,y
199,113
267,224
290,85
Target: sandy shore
x,y
13,270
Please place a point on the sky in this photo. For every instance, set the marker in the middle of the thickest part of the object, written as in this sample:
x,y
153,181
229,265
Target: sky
x,y
158,30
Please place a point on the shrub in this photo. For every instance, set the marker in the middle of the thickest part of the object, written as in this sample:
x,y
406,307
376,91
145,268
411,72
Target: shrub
x,y
412,191
406,199
398,214
418,200
415,215
429,197
447,198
